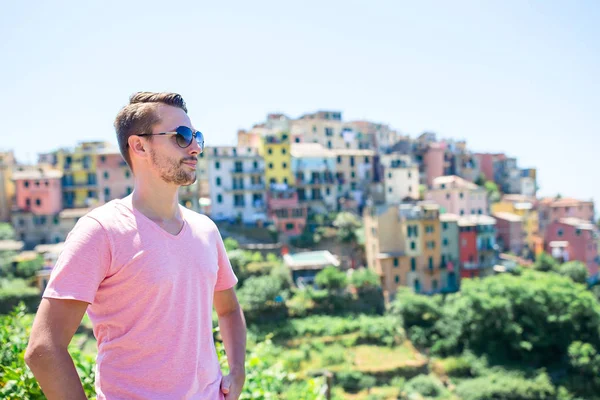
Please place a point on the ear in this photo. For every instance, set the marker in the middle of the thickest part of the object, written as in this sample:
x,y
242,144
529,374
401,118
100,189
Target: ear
x,y
138,146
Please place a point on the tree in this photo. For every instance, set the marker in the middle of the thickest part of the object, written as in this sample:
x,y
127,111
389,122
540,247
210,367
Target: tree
x,y
331,278
28,268
576,270
532,318
545,263
347,224
6,231
364,278
231,244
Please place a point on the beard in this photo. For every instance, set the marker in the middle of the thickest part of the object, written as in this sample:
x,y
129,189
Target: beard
x,y
172,170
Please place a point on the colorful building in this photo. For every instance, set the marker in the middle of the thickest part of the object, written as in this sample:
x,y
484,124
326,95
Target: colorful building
x,y
284,209
113,176
276,152
511,235
554,209
458,196
7,186
80,185
237,187
400,178
433,160
571,239
355,171
450,254
478,250
314,170
403,246
524,207
38,190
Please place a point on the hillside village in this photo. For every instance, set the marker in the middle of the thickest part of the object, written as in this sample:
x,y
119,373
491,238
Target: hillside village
x,y
430,211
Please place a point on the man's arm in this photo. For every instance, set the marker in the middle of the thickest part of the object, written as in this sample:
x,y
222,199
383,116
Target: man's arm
x,y
233,331
53,328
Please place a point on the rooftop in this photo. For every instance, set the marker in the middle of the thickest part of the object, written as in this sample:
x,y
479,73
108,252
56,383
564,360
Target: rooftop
x,y
353,152
74,212
508,216
453,181
311,260
391,254
578,223
448,217
36,173
310,150
476,220
563,202
11,245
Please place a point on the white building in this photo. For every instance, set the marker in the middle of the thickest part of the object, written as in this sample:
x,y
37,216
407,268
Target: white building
x,y
236,180
400,177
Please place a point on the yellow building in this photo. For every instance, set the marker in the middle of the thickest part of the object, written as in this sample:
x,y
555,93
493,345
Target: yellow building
x,y
276,151
7,186
522,207
80,187
402,245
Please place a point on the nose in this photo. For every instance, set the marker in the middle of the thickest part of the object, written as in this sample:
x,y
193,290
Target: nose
x,y
195,148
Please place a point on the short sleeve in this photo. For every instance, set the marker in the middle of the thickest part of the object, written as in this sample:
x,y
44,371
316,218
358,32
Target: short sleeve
x,y
226,278
83,263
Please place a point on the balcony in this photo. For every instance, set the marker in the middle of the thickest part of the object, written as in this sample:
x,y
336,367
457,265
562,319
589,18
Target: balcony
x,y
247,171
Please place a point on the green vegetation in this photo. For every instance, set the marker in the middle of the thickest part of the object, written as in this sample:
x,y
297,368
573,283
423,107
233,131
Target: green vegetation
x,y
534,334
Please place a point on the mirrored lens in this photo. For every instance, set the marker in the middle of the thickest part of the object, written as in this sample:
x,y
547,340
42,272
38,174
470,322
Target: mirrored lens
x,y
184,136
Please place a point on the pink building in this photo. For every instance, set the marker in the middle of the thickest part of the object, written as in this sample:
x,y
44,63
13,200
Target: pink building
x,y
511,236
114,177
38,190
552,210
458,196
434,161
288,215
574,239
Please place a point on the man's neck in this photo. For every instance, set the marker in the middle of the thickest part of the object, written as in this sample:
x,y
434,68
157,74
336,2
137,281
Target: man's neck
x,y
158,201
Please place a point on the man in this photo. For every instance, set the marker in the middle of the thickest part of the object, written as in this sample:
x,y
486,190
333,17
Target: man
x,y
148,272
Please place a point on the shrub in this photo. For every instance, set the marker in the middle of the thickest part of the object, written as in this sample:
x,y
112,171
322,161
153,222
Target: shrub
x,y
576,270
425,385
331,278
506,386
333,355
13,292
354,381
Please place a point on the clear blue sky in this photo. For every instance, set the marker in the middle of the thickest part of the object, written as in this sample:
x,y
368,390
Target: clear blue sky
x,y
522,77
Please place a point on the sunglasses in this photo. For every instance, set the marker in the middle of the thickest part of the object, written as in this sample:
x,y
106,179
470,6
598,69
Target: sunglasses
x,y
183,137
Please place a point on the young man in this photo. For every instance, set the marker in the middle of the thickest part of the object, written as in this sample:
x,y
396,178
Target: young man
x,y
148,272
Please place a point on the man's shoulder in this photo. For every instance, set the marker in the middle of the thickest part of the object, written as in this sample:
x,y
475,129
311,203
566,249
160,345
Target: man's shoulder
x,y
110,213
197,220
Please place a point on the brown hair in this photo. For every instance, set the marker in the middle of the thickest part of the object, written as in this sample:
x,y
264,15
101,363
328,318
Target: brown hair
x,y
140,116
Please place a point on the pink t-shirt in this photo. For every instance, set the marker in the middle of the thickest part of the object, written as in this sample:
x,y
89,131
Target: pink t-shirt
x,y
151,300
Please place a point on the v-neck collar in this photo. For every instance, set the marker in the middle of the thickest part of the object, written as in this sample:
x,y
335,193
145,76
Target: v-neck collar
x,y
128,202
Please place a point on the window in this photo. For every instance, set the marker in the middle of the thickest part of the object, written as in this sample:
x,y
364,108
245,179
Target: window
x,y
270,151
409,175
339,159
106,193
560,232
289,226
284,165
285,180
314,128
390,189
462,212
445,226
105,174
462,195
480,211
129,190
328,131
397,279
102,159
218,181
578,232
417,286
329,145
46,183
352,161
430,262
28,202
219,199
396,262
255,164
443,186
91,194
445,242
353,174
413,264
390,175
270,165
413,245
434,284
38,202
127,174
37,183
217,165
56,220
447,196
26,184
366,160
215,151
283,151
327,191
297,140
